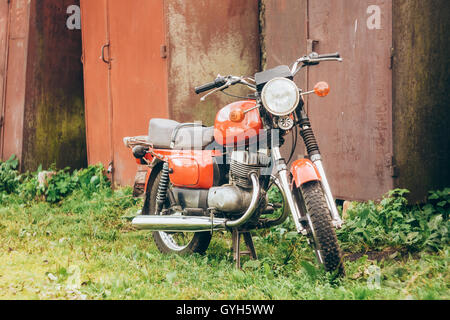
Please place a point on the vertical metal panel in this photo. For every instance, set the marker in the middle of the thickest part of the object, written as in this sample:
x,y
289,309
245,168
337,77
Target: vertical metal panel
x,y
96,81
123,92
285,32
138,75
4,25
421,98
354,123
207,37
53,130
284,35
16,78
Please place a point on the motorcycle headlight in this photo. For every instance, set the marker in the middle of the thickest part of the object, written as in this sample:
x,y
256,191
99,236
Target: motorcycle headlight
x,y
280,96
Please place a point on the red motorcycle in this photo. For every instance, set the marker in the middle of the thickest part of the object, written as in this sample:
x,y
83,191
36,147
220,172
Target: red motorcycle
x,y
204,179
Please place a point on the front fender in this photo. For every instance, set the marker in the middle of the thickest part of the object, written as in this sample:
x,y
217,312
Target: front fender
x,y
304,171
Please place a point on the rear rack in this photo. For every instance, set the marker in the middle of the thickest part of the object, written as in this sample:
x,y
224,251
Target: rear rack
x,y
131,142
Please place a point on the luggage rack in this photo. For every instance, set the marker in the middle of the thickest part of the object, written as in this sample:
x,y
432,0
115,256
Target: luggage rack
x,y
131,142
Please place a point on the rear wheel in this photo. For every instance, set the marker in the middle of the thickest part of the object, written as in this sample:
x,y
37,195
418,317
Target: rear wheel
x,y
174,242
321,229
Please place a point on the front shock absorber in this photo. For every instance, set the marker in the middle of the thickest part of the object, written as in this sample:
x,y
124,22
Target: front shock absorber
x,y
309,138
162,188
313,150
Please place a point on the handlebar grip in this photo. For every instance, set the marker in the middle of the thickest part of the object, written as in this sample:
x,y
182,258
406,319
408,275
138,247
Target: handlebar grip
x,y
329,55
205,87
219,82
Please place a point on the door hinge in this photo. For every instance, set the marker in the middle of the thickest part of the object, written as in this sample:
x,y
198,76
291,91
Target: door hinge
x,y
311,45
391,164
163,51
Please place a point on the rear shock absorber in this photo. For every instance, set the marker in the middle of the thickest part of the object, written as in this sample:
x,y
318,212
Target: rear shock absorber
x,y
162,188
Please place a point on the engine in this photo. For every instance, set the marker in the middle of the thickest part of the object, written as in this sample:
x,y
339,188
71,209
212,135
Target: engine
x,y
245,162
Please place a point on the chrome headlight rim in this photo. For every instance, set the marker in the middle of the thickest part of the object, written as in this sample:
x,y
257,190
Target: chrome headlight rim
x,y
266,104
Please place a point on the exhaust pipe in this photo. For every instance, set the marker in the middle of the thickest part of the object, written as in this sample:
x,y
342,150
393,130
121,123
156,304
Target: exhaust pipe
x,y
178,223
198,224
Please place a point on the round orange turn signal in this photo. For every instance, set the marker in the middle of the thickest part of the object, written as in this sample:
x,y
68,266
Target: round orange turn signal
x,y
237,115
322,89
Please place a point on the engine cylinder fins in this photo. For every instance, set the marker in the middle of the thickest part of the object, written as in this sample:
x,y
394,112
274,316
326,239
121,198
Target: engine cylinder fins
x,y
243,163
240,174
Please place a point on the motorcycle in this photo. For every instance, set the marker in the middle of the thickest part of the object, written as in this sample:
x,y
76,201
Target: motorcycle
x,y
204,179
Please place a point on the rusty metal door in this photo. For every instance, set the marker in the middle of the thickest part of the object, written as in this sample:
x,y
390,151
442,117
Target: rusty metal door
x,y
14,101
354,123
125,78
96,81
138,75
207,38
4,24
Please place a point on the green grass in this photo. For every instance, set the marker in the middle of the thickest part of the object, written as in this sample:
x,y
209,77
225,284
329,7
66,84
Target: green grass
x,y
84,248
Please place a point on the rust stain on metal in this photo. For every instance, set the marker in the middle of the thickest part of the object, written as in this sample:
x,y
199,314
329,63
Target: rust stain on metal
x,y
284,31
151,66
54,129
205,39
354,124
41,85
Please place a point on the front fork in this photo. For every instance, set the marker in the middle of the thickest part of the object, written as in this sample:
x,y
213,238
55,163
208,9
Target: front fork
x,y
284,180
336,218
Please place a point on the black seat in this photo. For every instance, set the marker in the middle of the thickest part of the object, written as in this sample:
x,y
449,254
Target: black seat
x,y
169,134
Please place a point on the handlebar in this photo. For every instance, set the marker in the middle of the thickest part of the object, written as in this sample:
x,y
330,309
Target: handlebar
x,y
219,82
330,55
314,59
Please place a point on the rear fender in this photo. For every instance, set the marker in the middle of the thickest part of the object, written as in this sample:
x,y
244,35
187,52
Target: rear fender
x,y
304,171
152,172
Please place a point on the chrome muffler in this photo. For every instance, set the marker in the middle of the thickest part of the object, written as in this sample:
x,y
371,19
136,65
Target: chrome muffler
x,y
179,223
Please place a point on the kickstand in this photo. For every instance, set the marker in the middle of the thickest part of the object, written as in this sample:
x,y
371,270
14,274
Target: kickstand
x,y
237,253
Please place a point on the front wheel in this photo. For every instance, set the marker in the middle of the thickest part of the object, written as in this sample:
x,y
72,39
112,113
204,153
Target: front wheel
x,y
321,229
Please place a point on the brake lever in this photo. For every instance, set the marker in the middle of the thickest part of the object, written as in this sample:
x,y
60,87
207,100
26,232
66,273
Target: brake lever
x,y
226,85
325,59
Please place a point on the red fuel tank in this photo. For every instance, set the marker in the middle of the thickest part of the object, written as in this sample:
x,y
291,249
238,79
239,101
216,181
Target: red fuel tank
x,y
229,133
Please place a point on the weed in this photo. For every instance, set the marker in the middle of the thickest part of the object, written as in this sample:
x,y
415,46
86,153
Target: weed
x,y
394,223
68,240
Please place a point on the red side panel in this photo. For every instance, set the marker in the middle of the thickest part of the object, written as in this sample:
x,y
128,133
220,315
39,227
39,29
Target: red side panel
x,y
190,169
